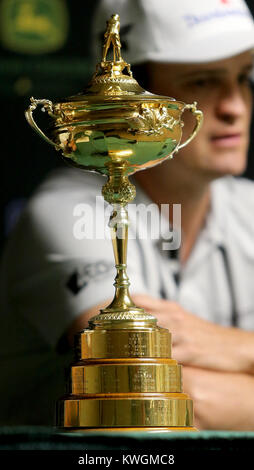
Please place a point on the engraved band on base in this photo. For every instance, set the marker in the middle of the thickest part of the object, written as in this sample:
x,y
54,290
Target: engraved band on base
x,y
155,410
125,378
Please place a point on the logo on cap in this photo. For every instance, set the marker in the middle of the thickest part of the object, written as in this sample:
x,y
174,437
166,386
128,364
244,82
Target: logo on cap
x,y
33,26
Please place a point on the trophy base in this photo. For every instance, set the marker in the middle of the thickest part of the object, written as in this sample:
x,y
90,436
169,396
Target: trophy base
x,y
146,429
124,380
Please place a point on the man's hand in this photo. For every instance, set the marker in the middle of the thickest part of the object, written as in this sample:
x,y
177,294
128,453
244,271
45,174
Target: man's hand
x,y
200,343
222,400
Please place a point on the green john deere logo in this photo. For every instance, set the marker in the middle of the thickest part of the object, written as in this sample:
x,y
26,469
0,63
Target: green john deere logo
x,y
33,26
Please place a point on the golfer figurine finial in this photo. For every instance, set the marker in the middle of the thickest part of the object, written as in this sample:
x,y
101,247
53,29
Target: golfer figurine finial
x,y
112,36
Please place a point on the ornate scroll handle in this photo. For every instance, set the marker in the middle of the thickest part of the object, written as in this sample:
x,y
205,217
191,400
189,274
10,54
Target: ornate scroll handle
x,y
199,120
47,106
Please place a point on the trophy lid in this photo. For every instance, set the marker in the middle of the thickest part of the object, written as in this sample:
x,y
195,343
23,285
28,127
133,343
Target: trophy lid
x,y
113,79
114,121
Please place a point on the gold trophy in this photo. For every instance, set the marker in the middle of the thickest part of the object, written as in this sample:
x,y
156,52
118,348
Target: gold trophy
x,y
124,377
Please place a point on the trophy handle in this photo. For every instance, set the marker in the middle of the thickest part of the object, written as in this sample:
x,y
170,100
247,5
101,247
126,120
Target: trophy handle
x,y
199,120
47,105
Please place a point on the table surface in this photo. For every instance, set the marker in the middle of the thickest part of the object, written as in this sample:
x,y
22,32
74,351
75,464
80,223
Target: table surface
x,y
50,438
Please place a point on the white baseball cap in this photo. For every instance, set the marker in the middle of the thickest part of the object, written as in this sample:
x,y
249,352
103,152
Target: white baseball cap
x,y
177,30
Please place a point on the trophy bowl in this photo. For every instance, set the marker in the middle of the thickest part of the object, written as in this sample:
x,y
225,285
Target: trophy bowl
x,y
115,121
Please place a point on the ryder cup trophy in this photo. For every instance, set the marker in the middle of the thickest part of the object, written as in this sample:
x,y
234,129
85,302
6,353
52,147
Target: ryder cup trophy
x,y
124,377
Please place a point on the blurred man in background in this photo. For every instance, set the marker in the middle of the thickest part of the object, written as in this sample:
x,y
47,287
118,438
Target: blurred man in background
x,y
202,292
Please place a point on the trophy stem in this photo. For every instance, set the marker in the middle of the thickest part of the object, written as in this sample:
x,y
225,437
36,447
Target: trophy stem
x,y
119,233
119,191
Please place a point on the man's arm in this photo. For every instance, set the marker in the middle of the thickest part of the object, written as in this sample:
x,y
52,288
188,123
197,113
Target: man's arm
x,y
222,400
218,363
200,343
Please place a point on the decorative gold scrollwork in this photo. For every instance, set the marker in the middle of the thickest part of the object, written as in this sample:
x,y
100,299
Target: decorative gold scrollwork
x,y
149,120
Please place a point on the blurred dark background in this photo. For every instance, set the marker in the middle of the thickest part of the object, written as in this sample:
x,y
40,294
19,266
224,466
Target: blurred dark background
x,y
45,53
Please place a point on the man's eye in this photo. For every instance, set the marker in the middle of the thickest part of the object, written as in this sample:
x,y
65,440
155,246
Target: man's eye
x,y
203,83
245,79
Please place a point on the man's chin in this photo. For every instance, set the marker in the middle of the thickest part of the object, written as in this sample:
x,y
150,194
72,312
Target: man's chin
x,y
227,170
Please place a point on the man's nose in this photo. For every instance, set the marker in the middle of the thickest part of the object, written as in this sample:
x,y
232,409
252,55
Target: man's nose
x,y
231,103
